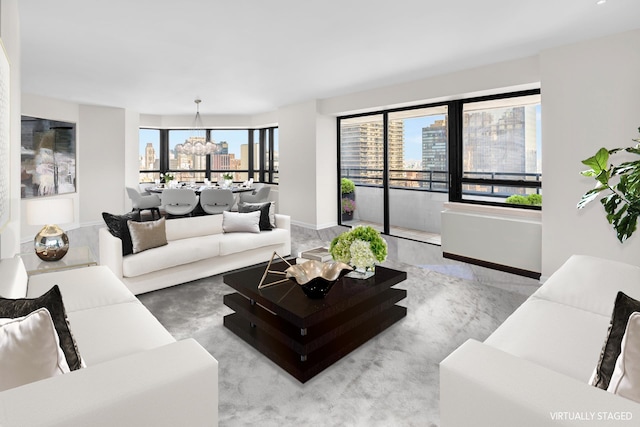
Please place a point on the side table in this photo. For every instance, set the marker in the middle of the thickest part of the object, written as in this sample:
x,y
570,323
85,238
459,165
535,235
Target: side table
x,y
76,257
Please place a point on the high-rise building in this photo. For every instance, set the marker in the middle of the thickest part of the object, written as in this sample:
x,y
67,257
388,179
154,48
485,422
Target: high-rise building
x,y
149,157
435,141
362,149
500,140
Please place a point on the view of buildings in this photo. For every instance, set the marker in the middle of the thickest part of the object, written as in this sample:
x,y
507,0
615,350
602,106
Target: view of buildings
x,y
497,143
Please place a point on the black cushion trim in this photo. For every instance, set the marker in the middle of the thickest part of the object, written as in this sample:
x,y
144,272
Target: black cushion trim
x,y
52,301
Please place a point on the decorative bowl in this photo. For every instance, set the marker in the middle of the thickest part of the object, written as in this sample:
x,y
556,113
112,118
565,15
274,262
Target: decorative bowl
x,y
316,278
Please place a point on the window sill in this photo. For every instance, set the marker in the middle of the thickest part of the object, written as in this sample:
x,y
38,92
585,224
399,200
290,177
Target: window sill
x,y
495,211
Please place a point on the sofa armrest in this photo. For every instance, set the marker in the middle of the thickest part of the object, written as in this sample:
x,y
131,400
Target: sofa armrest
x,y
110,252
176,384
284,222
486,387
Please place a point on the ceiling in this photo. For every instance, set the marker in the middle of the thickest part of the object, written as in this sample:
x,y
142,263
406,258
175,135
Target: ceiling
x,y
253,56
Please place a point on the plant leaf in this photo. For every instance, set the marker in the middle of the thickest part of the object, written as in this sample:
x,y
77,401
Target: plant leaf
x,y
590,196
599,161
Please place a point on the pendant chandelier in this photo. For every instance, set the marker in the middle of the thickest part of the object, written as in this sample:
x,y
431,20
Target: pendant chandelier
x,y
197,142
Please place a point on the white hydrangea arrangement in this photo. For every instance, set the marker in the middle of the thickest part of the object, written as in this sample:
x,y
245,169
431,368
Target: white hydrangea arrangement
x,y
361,247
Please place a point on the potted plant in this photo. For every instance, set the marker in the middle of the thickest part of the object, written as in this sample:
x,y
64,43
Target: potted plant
x,y
348,206
347,188
361,247
617,186
228,179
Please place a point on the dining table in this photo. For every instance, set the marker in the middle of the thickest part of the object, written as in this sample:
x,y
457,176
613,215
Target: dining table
x,y
240,188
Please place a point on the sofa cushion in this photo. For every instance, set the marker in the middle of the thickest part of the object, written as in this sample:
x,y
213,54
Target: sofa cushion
x,y
30,350
579,283
553,335
52,301
272,211
232,243
236,222
183,228
176,252
147,235
625,380
117,226
13,278
82,288
623,308
264,208
109,332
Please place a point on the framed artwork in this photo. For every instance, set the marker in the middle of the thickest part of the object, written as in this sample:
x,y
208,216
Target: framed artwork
x,y
48,157
5,139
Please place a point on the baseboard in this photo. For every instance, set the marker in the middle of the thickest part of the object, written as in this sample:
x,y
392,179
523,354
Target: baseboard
x,y
493,266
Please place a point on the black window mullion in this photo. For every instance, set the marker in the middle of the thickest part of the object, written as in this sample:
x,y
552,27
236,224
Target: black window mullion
x,y
385,172
455,151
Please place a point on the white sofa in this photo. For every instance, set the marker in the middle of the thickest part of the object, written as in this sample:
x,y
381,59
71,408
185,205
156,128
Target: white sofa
x,y
197,248
534,370
136,373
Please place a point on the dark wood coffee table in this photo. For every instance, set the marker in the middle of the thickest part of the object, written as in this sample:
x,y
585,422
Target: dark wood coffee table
x,y
302,335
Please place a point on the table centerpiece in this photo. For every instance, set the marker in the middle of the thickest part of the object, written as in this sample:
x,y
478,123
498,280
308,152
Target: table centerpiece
x,y
361,247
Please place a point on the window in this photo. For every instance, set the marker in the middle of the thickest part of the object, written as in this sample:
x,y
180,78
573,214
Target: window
x,y
501,148
406,162
149,155
193,156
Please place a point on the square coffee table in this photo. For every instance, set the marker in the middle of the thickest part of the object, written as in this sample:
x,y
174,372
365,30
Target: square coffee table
x,y
305,336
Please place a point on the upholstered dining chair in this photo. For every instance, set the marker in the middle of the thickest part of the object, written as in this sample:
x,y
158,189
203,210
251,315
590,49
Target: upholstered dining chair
x,y
257,196
215,201
140,202
179,201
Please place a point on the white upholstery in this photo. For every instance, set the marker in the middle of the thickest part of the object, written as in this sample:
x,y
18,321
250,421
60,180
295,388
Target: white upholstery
x,y
136,373
197,248
112,331
215,201
176,252
182,228
13,278
141,202
179,201
257,196
539,361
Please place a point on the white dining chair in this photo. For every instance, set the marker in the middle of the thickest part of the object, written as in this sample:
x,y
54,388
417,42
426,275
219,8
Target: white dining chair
x,y
257,196
151,202
215,201
179,201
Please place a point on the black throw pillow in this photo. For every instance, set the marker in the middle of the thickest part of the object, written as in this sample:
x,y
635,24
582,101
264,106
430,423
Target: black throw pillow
x,y
117,225
622,310
265,223
52,301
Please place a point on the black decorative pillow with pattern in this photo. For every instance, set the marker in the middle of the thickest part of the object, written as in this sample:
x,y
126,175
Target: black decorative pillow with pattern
x,y
265,223
52,301
117,225
622,310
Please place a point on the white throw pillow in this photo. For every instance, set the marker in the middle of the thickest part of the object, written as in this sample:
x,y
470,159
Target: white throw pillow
x,y
241,222
29,350
625,380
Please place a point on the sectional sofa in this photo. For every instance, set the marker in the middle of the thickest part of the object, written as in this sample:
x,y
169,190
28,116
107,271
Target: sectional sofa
x,y
197,247
535,369
135,373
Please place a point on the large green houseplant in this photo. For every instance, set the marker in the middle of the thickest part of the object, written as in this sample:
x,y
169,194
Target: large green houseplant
x,y
617,186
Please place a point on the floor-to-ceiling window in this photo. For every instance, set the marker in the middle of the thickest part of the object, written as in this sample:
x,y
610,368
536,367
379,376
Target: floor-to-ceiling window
x,y
406,163
192,156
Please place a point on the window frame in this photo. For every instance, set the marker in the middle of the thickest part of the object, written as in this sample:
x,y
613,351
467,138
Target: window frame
x,y
455,179
265,170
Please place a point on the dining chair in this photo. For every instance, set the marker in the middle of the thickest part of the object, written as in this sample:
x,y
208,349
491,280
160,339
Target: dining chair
x,y
215,201
151,202
257,196
179,201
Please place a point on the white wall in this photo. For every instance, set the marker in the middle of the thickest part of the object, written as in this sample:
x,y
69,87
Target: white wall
x,y
10,35
101,162
590,99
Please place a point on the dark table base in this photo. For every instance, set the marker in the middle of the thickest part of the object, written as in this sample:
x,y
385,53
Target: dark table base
x,y
305,353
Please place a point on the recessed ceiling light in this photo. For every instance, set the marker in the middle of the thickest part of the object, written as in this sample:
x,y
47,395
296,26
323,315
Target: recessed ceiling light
x,y
601,1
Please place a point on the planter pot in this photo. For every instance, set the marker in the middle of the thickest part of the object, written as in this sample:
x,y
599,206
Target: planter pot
x,y
347,216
